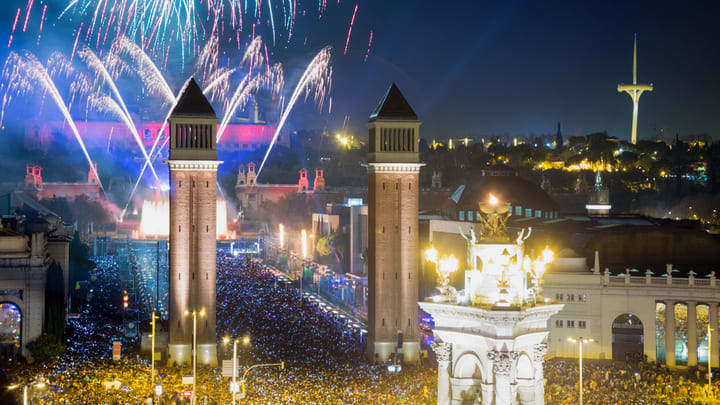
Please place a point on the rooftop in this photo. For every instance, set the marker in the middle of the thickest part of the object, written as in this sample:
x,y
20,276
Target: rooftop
x,y
192,102
393,106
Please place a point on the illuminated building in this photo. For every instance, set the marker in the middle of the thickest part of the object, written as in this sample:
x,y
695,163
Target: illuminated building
x,y
490,339
393,175
193,197
636,303
251,194
43,190
634,90
27,250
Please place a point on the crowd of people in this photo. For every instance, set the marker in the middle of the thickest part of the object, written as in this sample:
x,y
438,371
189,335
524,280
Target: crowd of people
x,y
638,383
323,355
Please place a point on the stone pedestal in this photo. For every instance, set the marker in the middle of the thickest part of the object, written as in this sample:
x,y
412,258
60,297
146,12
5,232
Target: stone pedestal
x,y
489,355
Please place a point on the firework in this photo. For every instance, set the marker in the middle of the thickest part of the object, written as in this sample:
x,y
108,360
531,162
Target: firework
x,y
316,80
103,77
23,74
352,21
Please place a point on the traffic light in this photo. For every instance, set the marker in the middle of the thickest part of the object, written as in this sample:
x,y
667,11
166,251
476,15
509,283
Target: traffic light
x,y
126,299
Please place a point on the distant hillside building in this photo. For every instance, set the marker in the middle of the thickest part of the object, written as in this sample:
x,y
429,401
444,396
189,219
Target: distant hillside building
x,y
252,194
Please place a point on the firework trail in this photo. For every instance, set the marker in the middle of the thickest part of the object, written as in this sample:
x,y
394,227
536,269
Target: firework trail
x,y
17,15
369,46
103,76
316,80
352,21
146,69
23,74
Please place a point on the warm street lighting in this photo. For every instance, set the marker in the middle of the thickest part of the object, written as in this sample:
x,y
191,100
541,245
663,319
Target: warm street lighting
x,y
234,385
195,314
447,265
431,255
303,241
40,384
152,353
580,341
493,200
281,230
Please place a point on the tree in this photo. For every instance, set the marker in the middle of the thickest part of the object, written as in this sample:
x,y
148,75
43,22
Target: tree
x,y
46,348
80,265
55,301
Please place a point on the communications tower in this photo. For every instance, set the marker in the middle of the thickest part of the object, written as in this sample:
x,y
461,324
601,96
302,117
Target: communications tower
x,y
635,90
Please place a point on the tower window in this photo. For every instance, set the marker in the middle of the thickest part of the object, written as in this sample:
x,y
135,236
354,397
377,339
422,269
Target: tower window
x,y
409,322
179,184
409,230
193,275
395,275
207,184
409,186
383,322
397,186
179,228
383,186
207,228
206,276
179,276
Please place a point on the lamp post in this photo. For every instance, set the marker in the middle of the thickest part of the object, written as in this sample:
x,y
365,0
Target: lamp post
x,y
194,358
152,351
580,342
281,229
233,385
39,383
709,334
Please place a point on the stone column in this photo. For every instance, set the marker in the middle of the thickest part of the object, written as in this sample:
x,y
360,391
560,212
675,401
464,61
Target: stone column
x,y
539,352
713,320
692,334
502,366
670,333
442,353
487,393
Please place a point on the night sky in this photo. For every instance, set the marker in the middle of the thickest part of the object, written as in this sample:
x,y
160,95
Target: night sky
x,y
477,68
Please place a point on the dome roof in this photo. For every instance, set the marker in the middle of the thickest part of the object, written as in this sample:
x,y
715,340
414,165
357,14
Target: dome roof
x,y
512,189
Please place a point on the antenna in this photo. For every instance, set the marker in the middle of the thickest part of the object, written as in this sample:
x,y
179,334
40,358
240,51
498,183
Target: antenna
x,y
635,59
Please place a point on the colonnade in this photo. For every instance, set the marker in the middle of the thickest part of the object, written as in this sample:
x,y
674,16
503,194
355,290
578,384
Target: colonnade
x,y
692,332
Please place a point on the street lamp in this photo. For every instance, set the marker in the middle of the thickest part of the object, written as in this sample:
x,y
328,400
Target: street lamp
x,y
281,229
195,315
37,383
581,341
303,242
152,353
234,384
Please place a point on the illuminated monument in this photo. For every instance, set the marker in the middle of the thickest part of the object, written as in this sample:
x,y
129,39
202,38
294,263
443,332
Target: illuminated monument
x,y
393,172
193,196
491,337
635,90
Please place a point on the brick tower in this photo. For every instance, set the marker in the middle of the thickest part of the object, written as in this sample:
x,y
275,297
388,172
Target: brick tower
x,y
393,171
193,198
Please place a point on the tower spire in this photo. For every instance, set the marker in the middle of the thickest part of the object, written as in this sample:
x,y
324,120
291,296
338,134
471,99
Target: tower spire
x,y
634,90
635,59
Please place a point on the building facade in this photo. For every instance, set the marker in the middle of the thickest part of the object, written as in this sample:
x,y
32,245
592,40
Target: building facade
x,y
193,197
393,177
